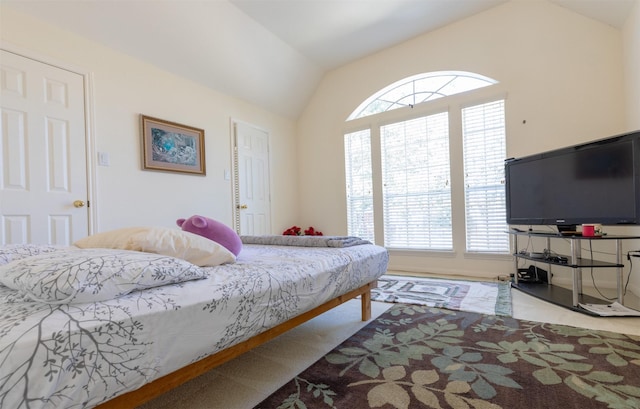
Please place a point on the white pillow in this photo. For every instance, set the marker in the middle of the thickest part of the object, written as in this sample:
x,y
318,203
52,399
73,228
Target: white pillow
x,y
160,240
78,276
11,252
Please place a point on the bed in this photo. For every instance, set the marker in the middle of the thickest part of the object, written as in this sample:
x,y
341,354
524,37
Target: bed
x,y
118,345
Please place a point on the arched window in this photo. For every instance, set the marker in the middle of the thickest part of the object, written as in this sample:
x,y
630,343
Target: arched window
x,y
413,174
420,88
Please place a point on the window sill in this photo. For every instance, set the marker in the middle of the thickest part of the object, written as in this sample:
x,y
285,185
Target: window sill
x,y
422,253
489,256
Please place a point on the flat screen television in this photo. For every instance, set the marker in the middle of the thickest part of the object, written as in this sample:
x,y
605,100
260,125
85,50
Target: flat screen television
x,y
595,182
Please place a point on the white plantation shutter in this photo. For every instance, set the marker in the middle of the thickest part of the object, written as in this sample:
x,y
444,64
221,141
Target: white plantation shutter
x,y
359,181
416,183
483,132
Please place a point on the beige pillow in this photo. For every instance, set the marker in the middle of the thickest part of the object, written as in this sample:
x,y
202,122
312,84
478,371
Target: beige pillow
x,y
195,249
113,239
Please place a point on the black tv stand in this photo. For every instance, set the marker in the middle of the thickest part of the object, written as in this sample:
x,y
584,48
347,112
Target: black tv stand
x,y
569,298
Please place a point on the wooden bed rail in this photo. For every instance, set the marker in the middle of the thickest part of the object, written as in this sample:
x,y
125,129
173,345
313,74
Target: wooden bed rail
x,y
166,383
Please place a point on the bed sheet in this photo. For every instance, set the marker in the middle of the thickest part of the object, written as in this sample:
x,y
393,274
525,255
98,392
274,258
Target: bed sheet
x,y
80,355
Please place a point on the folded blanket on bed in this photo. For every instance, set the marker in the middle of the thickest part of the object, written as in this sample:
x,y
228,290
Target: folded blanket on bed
x,y
305,241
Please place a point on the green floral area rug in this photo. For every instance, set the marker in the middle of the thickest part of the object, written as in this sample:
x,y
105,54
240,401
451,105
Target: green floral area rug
x,y
421,357
474,296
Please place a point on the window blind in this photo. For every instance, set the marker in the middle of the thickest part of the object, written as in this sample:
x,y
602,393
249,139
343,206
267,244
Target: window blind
x,y
359,182
484,150
416,183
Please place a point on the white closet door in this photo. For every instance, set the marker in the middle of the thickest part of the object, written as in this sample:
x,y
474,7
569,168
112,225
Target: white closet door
x,y
253,204
43,153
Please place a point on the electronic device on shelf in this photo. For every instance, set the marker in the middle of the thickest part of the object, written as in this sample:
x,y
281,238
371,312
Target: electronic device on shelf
x,y
558,259
533,275
596,182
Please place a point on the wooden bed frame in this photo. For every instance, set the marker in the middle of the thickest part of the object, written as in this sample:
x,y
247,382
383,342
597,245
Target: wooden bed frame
x,y
166,383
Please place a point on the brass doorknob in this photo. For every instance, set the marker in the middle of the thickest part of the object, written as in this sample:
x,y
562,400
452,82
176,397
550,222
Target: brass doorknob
x,y
242,207
78,203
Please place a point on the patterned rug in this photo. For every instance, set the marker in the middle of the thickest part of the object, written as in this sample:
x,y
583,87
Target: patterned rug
x,y
420,357
473,296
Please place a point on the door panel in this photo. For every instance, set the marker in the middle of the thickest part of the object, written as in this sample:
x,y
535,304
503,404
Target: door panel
x,y
43,153
253,207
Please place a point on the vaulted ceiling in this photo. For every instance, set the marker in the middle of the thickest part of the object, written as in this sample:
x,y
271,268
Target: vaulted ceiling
x,y
272,53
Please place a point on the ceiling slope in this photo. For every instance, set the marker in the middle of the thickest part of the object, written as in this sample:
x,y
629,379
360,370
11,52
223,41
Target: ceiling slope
x,y
272,53
209,42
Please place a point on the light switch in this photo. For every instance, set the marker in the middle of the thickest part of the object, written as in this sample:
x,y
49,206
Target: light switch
x,y
103,159
227,174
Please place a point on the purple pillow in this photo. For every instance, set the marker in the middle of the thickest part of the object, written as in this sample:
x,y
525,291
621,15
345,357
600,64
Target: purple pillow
x,y
213,230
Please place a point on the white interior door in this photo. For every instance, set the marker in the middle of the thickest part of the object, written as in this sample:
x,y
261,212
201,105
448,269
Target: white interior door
x,y
252,190
43,153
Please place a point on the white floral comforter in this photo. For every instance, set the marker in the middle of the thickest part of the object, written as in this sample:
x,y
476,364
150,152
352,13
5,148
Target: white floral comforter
x,y
79,354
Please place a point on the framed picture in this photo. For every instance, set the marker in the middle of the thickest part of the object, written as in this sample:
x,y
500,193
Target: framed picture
x,y
168,146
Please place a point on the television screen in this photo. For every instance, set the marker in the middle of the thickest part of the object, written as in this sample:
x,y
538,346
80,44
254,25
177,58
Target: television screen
x,y
598,182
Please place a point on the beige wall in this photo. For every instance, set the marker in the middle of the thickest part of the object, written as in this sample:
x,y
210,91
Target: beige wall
x,y
631,41
562,74
123,88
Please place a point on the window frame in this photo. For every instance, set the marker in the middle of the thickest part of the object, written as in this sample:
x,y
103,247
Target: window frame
x,y
410,82
454,105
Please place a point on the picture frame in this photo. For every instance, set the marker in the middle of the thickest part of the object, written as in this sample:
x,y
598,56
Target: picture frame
x,y
172,147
